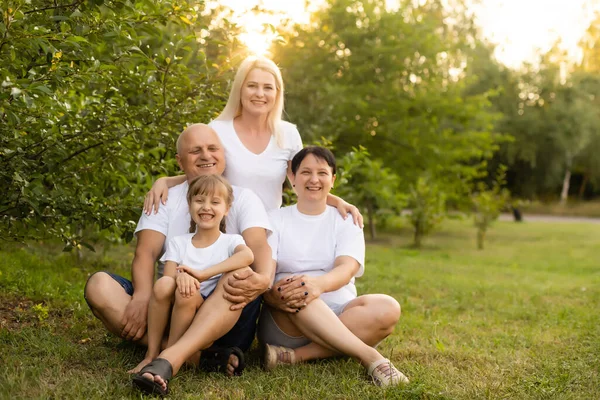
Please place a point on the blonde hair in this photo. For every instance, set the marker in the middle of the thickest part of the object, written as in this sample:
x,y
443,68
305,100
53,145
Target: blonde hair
x,y
208,185
233,108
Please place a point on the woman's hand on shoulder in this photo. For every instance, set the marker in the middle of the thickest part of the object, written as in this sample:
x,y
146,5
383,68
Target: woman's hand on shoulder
x,y
299,290
344,208
157,194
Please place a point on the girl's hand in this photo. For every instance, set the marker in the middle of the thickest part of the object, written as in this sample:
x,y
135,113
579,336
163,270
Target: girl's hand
x,y
157,194
198,275
299,291
186,284
344,208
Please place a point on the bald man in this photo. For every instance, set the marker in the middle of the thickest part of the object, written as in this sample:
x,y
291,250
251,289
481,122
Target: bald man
x,y
122,305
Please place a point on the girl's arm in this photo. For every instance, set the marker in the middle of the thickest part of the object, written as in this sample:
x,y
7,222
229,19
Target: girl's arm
x,y
302,289
160,192
242,257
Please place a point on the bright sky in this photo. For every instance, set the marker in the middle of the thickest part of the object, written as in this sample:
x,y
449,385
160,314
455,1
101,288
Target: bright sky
x,y
519,27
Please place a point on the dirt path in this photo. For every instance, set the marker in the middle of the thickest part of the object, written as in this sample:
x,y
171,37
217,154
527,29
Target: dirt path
x,y
551,218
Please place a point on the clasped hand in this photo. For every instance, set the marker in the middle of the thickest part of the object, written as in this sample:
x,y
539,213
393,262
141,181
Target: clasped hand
x,y
294,293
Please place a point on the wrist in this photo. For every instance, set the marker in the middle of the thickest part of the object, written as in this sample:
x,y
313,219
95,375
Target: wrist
x,y
264,282
141,297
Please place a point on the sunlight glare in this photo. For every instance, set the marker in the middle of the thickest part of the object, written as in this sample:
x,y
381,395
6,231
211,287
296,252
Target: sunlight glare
x,y
258,43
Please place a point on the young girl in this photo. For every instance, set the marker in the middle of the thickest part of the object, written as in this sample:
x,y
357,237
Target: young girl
x,y
203,254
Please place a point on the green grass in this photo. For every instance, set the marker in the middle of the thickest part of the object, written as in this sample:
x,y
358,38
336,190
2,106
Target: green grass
x,y
518,320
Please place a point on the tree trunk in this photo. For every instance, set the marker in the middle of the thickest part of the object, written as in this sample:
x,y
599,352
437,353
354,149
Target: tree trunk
x,y
565,189
371,220
480,238
586,178
417,237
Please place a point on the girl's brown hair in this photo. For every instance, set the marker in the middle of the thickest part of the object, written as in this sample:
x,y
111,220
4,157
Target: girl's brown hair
x,y
209,185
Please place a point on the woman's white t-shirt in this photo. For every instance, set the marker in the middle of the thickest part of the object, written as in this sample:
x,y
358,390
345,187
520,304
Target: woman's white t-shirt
x,y
181,250
309,244
263,173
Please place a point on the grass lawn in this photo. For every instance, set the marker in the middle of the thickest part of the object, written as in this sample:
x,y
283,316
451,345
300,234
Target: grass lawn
x,y
518,320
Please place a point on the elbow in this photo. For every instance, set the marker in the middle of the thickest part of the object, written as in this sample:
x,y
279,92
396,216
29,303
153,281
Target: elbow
x,y
249,257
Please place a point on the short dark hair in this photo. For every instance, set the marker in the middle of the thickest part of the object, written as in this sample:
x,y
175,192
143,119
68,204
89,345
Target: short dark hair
x,y
321,153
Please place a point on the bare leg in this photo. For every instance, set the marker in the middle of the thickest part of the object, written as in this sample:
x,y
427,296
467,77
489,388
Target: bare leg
x,y
213,320
318,323
108,301
158,318
371,318
184,310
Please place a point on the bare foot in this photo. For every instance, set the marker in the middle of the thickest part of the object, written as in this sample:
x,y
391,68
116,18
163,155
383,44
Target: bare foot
x,y
233,363
141,365
156,378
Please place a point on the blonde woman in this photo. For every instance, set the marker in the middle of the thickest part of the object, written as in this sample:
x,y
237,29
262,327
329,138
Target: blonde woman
x,y
259,145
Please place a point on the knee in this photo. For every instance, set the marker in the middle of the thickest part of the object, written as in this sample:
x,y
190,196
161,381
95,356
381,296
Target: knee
x,y
163,288
190,301
388,313
97,288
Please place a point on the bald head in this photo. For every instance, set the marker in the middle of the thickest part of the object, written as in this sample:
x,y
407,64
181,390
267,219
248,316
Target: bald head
x,y
199,151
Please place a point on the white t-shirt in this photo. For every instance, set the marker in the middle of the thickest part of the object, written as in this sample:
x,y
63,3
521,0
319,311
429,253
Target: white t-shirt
x,y
173,219
181,250
309,244
263,173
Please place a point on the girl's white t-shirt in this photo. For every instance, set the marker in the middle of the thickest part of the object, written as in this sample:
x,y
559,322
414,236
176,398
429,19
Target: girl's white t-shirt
x,y
263,173
309,245
181,250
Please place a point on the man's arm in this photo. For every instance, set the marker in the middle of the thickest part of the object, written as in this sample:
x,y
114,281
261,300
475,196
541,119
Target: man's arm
x,y
246,286
148,249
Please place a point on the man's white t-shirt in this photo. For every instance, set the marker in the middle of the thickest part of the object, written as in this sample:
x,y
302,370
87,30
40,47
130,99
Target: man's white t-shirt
x,y
181,250
263,173
173,219
309,245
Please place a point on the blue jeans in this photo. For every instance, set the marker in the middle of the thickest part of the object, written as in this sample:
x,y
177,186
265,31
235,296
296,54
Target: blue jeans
x,y
242,333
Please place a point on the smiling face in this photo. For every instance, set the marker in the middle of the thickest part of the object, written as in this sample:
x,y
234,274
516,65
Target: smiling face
x,y
208,209
313,180
259,92
199,152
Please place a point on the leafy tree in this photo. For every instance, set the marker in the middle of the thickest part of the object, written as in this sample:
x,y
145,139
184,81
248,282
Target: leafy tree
x,y
428,208
487,204
92,96
369,185
391,81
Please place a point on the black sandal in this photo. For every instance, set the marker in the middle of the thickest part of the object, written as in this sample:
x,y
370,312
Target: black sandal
x,y
216,359
160,367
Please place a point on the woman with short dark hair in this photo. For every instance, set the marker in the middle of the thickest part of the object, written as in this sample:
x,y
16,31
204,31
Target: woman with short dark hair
x,y
312,311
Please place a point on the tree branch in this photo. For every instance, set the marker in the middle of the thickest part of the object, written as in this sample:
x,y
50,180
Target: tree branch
x,y
54,7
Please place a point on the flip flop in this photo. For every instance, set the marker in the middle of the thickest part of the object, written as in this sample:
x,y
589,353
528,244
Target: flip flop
x,y
160,367
215,359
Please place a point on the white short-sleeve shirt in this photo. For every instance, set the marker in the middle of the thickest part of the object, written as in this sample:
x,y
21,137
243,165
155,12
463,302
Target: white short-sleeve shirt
x,y
181,250
309,244
173,219
263,173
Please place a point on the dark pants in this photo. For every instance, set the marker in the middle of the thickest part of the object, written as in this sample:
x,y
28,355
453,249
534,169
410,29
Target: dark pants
x,y
242,333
